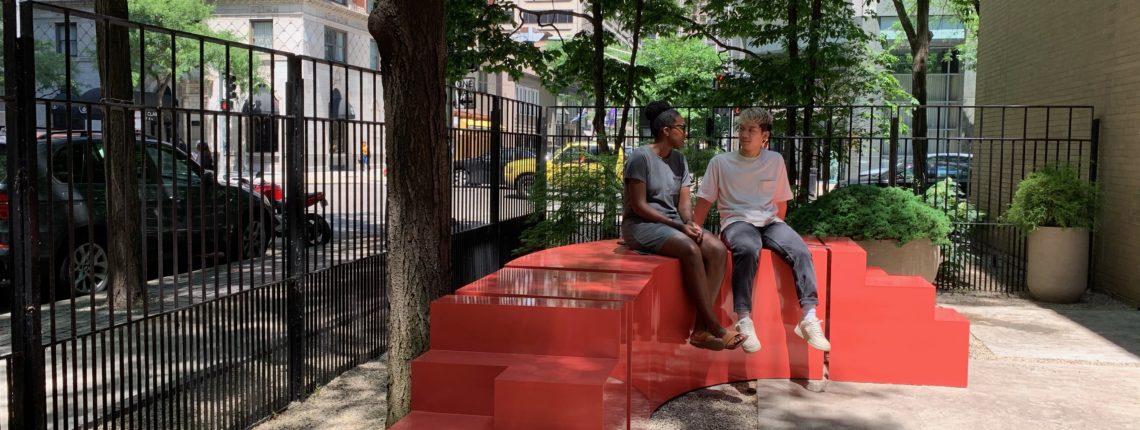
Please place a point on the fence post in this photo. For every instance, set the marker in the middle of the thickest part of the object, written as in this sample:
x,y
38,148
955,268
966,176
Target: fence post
x,y
496,162
294,212
892,169
27,400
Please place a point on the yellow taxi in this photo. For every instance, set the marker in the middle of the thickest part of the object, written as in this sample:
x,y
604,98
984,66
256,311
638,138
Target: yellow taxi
x,y
574,156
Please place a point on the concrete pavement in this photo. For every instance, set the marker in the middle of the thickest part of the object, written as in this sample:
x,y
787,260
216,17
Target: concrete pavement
x,y
1032,365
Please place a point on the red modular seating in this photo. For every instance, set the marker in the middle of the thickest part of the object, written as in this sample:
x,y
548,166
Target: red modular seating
x,y
589,335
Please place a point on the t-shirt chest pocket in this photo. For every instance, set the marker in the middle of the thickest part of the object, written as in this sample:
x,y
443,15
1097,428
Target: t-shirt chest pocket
x,y
766,186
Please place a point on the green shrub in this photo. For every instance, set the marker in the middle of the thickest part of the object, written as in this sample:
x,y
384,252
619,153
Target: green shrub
x,y
948,198
577,204
866,212
1054,197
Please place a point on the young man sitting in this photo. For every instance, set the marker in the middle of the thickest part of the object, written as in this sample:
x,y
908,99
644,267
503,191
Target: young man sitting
x,y
751,190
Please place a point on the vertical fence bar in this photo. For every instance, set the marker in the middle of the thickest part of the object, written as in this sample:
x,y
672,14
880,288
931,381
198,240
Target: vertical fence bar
x,y
294,199
27,403
495,169
892,167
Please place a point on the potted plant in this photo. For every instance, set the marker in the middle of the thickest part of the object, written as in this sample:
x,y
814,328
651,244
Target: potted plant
x,y
1057,210
900,233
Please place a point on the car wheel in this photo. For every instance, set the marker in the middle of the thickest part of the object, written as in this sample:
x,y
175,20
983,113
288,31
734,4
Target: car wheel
x,y
524,184
86,267
317,230
460,178
250,242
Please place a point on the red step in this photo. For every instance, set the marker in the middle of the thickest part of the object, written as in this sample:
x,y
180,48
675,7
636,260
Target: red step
x,y
931,352
419,420
524,325
895,298
876,271
519,390
563,284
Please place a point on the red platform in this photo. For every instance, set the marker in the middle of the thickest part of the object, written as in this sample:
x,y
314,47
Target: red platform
x,y
589,335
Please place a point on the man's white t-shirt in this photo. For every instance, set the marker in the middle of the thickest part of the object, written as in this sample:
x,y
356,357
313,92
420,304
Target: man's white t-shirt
x,y
746,189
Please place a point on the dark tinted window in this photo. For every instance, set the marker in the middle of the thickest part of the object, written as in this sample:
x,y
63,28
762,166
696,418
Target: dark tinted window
x,y
82,162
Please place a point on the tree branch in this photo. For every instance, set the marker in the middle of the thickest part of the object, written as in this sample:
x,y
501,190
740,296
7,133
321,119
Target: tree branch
x,y
904,20
706,33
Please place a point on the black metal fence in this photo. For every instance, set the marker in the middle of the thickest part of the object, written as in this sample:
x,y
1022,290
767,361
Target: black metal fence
x,y
985,150
262,186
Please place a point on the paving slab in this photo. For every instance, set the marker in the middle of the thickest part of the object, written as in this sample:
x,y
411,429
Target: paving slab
x,y
1106,336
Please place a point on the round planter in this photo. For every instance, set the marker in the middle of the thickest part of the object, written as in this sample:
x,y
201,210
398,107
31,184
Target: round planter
x,y
1058,264
918,257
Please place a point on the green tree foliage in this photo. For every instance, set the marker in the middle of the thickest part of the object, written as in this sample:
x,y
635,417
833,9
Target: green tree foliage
x,y
161,65
683,70
847,69
476,40
50,70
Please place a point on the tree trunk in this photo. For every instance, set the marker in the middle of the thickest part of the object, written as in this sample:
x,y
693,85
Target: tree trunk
x,y
807,155
124,254
918,35
920,50
599,76
793,86
411,42
640,5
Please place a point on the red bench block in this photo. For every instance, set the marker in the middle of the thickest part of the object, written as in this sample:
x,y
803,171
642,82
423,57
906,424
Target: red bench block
x,y
887,329
521,325
434,420
587,336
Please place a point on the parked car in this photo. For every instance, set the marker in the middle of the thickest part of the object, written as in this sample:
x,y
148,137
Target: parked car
x,y
184,206
574,155
479,171
939,166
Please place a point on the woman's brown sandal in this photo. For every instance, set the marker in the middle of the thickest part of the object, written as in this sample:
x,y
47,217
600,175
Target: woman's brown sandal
x,y
705,340
732,339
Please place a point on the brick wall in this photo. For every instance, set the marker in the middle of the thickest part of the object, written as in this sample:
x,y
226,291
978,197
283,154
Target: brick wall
x,y
1058,52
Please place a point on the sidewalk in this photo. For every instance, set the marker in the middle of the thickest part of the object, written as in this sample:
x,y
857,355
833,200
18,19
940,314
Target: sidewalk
x,y
1031,366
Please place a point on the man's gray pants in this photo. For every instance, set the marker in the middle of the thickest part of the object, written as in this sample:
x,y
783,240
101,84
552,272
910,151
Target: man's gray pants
x,y
745,240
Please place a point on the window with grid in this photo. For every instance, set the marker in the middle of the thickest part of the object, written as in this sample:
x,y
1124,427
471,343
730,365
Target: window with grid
x,y
335,45
527,114
262,33
556,17
65,40
374,55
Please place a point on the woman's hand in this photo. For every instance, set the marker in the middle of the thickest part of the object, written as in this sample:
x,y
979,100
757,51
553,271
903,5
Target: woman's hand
x,y
694,231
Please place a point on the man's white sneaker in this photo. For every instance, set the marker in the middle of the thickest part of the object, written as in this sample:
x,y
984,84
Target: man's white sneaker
x,y
745,327
812,332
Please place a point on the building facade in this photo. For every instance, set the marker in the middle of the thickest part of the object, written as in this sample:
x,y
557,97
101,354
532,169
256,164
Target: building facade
x,y
1023,59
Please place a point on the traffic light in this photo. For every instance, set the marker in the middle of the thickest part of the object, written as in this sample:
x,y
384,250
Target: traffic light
x,y
231,87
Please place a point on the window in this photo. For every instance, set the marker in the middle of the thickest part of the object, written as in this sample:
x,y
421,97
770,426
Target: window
x,y
173,166
80,163
262,33
553,17
343,1
528,114
374,54
335,45
65,40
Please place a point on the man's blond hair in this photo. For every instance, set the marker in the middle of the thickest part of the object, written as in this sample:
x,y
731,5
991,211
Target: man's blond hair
x,y
755,115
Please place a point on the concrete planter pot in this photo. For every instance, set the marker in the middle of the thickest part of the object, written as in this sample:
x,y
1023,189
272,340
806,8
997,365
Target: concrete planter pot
x,y
918,257
1058,264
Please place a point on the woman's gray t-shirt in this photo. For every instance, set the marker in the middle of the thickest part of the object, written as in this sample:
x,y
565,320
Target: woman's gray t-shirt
x,y
663,178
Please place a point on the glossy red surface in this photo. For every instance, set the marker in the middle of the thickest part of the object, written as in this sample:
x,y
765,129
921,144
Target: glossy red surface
x,y
589,335
886,329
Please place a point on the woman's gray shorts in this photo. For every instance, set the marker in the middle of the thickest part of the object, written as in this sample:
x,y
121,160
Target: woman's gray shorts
x,y
647,236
